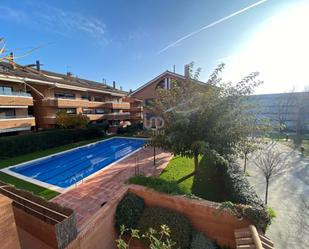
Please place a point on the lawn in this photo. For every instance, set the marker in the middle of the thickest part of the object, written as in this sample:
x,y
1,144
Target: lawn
x,y
207,184
21,184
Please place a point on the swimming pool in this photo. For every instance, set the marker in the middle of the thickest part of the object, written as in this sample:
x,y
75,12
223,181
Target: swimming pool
x,y
67,168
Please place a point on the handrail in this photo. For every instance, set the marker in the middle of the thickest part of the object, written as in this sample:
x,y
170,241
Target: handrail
x,y
255,237
15,117
24,94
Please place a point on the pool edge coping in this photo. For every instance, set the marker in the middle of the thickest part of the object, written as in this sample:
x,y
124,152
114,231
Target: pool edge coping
x,y
75,185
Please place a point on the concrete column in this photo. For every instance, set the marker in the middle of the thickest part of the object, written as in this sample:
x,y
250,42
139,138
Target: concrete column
x,y
8,231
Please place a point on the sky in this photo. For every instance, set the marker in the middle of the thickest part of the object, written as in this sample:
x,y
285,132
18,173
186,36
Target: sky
x,y
131,42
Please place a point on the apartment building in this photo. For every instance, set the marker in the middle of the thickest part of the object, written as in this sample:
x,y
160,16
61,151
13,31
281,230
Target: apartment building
x,y
32,97
148,92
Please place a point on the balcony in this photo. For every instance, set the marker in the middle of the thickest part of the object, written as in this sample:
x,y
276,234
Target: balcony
x,y
116,105
136,109
117,116
15,99
71,103
16,123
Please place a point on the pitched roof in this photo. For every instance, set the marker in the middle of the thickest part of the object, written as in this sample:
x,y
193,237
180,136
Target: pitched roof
x,y
53,77
163,75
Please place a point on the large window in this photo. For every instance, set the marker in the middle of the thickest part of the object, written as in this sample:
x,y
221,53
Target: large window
x,y
98,99
68,110
86,97
99,111
62,95
7,112
6,90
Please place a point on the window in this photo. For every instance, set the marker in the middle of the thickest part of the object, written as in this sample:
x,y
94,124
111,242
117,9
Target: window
x,y
86,97
98,99
6,90
7,112
99,111
68,110
87,111
148,101
65,95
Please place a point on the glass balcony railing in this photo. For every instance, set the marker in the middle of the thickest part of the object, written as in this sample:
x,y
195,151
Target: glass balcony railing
x,y
24,94
15,117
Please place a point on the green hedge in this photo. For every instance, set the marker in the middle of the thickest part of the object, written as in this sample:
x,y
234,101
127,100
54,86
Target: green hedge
x,y
129,211
158,184
200,241
32,142
181,229
240,191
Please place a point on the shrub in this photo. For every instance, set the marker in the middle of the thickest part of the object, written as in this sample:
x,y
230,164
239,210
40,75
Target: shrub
x,y
158,184
130,128
129,210
238,187
200,241
68,121
23,144
179,225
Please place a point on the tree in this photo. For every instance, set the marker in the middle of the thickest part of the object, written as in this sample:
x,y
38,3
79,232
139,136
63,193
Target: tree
x,y
203,116
256,131
271,163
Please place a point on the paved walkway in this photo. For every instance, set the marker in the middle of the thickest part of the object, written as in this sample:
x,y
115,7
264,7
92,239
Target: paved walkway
x,y
286,193
88,197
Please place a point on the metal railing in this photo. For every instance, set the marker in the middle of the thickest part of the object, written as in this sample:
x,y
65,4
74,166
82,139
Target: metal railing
x,y
15,117
23,94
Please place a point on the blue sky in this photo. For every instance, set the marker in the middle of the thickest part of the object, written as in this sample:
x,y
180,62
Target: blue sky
x,y
121,40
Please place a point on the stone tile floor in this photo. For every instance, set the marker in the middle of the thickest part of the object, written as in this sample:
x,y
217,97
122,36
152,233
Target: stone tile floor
x,y
87,198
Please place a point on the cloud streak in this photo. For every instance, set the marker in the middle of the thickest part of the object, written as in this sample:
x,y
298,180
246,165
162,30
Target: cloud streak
x,y
55,20
173,44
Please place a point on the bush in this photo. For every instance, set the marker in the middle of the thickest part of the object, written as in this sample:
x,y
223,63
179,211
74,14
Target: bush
x,y
158,184
68,121
129,211
130,128
179,225
200,241
23,144
238,187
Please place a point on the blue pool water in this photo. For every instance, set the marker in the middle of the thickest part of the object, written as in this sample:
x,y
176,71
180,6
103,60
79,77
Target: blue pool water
x,y
70,167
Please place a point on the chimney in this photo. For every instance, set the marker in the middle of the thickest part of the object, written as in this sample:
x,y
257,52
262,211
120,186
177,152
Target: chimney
x,y
38,65
187,71
174,68
114,84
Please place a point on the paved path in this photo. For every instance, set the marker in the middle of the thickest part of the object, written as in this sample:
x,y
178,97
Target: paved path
x,y
285,196
88,197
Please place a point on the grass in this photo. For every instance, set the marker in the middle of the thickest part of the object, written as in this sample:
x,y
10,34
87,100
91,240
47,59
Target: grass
x,y
179,178
35,189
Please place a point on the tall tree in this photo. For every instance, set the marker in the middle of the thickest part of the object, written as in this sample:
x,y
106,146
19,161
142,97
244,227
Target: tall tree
x,y
200,116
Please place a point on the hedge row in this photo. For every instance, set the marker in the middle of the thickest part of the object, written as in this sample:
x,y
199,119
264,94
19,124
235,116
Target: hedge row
x,y
132,213
240,191
23,144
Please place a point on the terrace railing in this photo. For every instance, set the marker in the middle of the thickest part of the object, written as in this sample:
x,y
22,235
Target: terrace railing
x,y
22,94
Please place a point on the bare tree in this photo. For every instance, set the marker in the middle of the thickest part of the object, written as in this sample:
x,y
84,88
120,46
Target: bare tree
x,y
271,163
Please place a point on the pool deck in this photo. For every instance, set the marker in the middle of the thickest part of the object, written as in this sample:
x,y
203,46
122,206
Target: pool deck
x,y
87,197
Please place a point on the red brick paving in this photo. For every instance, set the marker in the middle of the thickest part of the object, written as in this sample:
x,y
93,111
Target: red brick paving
x,y
88,196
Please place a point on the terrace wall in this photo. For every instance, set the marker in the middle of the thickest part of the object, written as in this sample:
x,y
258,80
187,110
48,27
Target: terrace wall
x,y
205,216
99,232
8,231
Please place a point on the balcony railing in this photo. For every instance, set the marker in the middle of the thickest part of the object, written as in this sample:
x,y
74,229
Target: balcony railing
x,y
16,117
23,94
